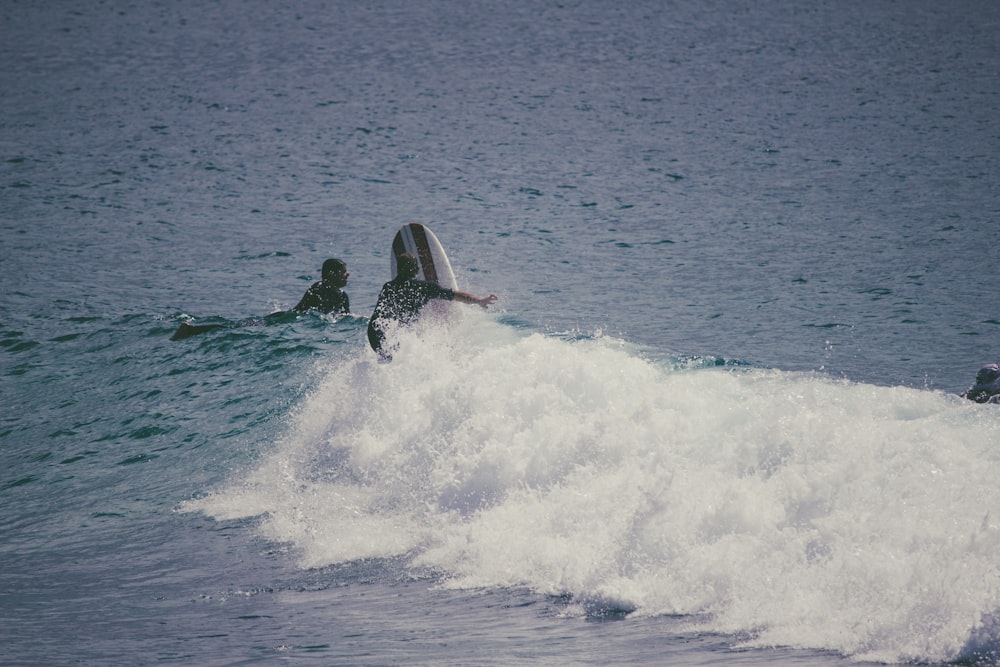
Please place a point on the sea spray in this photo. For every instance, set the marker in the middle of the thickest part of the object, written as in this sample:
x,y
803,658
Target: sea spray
x,y
787,509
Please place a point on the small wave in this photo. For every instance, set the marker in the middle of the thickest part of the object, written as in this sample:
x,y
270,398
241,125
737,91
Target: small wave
x,y
781,507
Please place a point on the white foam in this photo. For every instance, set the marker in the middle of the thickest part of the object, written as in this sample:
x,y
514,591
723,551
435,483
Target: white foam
x,y
796,509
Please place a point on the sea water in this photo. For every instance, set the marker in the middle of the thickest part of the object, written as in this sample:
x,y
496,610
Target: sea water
x,y
745,258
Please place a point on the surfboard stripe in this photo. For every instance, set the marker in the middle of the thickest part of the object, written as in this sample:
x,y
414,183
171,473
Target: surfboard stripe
x,y
424,252
422,243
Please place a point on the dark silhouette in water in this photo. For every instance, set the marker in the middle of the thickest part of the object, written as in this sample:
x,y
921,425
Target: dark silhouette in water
x,y
325,296
186,330
987,387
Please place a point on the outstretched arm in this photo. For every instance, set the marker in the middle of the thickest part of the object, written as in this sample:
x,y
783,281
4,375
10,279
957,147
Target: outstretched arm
x,y
482,301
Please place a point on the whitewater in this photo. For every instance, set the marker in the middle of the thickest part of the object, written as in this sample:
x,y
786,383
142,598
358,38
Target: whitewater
x,y
784,509
745,253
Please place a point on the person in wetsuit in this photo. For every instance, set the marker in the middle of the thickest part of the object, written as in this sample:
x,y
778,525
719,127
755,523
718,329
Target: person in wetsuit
x,y
327,295
402,298
987,387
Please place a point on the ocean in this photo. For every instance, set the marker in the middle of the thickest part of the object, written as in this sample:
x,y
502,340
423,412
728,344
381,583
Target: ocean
x,y
745,256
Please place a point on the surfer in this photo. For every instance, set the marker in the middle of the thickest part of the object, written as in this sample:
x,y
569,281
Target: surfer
x,y
987,387
402,298
327,295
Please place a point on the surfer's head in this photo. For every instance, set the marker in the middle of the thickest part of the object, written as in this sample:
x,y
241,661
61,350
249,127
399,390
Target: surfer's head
x,y
334,269
406,266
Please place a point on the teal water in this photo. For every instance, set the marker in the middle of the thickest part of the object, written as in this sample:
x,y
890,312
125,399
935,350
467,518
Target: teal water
x,y
744,258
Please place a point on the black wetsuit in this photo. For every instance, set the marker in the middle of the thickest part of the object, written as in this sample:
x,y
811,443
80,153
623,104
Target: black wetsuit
x,y
325,299
400,301
321,297
987,387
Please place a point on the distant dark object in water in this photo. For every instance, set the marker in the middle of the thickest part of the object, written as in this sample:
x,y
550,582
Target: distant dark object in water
x,y
186,330
987,387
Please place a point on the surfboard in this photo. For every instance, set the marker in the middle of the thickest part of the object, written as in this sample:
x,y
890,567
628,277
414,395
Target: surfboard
x,y
422,243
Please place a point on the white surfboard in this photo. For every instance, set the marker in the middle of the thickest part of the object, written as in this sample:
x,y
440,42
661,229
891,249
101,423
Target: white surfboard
x,y
423,244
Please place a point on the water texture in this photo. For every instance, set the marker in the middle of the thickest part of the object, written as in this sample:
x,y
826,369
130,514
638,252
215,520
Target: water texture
x,y
744,253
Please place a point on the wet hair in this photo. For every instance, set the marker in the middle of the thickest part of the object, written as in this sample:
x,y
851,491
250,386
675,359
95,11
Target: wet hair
x,y
406,266
332,268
